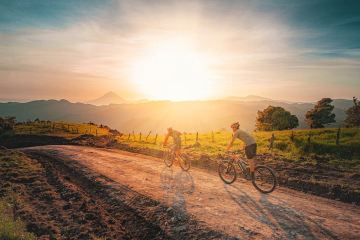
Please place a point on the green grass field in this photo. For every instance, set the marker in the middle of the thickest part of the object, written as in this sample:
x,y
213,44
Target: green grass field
x,y
323,141
63,129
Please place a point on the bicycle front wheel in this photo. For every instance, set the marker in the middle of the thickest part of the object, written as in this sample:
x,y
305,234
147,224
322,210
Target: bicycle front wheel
x,y
185,162
168,158
227,172
264,179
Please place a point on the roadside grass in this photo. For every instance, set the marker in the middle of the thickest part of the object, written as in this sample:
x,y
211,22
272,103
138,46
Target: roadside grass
x,y
60,128
12,228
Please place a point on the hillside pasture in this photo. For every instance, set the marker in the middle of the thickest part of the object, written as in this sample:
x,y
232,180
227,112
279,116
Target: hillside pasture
x,y
59,128
302,145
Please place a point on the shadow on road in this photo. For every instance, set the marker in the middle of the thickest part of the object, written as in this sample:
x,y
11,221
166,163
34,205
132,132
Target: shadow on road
x,y
176,185
279,216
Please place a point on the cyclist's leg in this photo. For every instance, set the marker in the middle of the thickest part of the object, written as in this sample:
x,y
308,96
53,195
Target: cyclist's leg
x,y
177,147
252,165
250,152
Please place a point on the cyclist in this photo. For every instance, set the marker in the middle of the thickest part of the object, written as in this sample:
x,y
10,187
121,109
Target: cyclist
x,y
176,138
250,145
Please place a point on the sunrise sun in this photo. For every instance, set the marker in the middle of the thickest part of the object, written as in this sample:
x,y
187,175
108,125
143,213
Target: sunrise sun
x,y
173,70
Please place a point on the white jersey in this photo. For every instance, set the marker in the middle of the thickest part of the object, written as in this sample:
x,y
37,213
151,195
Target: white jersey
x,y
244,136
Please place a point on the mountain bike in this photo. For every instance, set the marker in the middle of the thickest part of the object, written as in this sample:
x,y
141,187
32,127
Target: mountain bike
x,y
169,157
264,179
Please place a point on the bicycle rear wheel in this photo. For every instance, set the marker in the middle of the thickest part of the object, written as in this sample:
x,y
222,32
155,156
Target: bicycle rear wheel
x,y
185,162
168,158
227,172
264,179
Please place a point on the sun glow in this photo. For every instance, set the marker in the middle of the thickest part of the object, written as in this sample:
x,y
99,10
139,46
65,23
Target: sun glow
x,y
173,71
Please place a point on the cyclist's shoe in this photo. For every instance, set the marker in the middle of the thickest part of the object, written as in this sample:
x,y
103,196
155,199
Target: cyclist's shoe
x,y
248,177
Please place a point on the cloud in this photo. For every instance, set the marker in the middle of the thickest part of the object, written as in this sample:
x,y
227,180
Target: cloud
x,y
269,43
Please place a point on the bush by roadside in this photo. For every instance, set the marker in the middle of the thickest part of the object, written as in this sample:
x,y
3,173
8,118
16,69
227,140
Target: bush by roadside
x,y
10,227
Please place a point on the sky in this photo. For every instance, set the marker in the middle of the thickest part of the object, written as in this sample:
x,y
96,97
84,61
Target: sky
x,y
179,50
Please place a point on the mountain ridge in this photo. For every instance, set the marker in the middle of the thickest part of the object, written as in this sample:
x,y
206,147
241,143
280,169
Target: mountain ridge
x,y
107,99
188,116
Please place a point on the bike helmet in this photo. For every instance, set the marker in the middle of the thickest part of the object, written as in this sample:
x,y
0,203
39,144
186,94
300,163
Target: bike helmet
x,y
235,125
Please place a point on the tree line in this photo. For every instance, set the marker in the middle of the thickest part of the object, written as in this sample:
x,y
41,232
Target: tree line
x,y
277,118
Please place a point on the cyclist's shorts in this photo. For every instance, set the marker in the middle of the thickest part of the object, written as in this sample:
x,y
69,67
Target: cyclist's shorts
x,y
250,151
177,144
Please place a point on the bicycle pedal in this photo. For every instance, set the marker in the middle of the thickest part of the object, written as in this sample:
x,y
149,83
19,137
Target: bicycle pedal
x,y
247,177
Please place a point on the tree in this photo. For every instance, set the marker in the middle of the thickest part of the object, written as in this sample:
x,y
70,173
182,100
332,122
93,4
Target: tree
x,y
353,114
320,114
275,118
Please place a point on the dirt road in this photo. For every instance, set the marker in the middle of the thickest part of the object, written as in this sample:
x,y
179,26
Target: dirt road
x,y
237,210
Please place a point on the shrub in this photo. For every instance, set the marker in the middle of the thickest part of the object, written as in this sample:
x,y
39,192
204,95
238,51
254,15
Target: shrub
x,y
11,229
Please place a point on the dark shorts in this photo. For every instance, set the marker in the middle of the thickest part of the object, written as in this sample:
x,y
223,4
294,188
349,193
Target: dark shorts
x,y
250,151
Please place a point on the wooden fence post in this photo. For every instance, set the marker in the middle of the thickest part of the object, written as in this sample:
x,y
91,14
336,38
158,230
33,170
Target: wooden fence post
x,y
147,136
197,137
134,135
292,136
271,141
155,138
140,137
212,136
338,136
309,138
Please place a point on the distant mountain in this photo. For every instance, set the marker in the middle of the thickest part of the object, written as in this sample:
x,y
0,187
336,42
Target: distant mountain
x,y
249,98
107,99
5,100
156,116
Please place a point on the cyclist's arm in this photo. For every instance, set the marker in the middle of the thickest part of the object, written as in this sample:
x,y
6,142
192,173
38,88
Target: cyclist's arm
x,y
166,139
230,144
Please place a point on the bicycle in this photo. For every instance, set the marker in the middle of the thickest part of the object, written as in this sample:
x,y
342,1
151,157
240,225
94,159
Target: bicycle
x,y
169,157
264,179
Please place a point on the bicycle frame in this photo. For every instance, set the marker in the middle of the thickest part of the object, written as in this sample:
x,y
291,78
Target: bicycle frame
x,y
172,152
243,165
